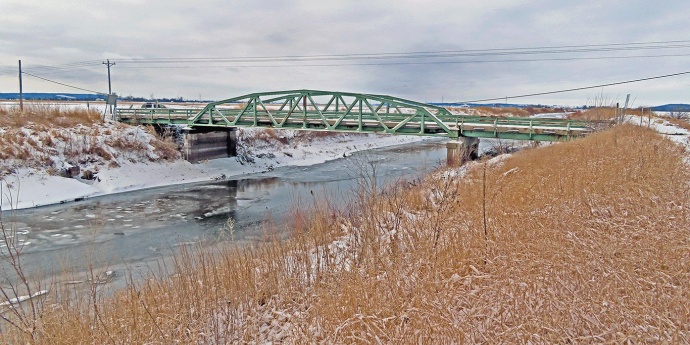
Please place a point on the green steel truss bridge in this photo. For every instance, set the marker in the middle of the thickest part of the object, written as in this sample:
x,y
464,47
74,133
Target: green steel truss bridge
x,y
353,112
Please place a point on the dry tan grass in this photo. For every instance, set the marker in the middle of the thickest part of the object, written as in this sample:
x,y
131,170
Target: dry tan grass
x,y
514,111
40,114
605,113
584,241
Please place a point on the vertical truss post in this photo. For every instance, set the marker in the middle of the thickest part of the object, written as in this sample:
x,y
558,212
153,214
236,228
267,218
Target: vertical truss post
x,y
359,127
304,111
256,122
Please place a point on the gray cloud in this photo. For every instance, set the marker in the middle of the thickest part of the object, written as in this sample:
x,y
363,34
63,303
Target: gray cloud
x,y
57,33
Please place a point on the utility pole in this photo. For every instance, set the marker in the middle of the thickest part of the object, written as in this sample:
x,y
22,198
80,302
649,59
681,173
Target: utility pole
x,y
108,63
21,92
110,90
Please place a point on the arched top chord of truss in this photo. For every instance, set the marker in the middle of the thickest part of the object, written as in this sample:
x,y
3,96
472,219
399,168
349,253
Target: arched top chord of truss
x,y
326,110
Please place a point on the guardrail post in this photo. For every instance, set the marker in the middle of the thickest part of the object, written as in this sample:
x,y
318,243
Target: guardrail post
x,y
530,129
304,111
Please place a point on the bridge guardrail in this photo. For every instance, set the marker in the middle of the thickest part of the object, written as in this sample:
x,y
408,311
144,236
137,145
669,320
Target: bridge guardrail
x,y
156,115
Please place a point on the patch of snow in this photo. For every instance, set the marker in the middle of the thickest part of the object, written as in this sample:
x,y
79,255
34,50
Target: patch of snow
x,y
668,129
23,298
30,188
551,115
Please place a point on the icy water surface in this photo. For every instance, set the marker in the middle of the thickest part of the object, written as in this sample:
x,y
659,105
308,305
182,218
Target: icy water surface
x,y
128,231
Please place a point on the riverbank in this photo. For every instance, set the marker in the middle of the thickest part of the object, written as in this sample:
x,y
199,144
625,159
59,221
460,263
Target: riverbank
x,y
120,158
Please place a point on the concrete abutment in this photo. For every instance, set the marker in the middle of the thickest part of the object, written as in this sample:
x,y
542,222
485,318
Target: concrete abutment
x,y
462,150
209,143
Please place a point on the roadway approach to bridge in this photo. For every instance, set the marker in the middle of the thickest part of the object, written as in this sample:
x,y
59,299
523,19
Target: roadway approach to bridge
x,y
210,131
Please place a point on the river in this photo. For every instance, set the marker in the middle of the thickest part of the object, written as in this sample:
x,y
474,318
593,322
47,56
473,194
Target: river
x,y
127,232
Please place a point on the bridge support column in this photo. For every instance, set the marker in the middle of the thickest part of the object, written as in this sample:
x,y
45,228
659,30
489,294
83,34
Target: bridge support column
x,y
209,143
462,150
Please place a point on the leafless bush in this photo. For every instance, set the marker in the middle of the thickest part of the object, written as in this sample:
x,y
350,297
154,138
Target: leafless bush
x,y
679,115
22,300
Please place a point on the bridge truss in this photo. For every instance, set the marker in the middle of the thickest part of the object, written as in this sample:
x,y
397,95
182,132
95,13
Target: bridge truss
x,y
353,112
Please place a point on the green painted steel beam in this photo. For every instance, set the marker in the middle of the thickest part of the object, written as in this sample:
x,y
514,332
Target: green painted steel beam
x,y
352,112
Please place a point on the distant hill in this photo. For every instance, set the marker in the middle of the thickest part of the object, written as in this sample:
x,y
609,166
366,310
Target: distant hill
x,y
672,107
86,97
666,107
54,96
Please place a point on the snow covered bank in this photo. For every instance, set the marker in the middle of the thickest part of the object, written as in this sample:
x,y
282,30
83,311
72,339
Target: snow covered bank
x,y
32,187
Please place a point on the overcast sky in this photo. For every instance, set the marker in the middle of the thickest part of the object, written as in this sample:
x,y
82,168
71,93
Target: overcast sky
x,y
66,41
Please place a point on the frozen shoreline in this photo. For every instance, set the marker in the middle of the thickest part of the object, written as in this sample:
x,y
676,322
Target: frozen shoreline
x,y
28,188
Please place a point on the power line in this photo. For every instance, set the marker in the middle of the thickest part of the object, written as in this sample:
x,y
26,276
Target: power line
x,y
408,63
441,54
43,69
63,84
429,54
577,88
392,63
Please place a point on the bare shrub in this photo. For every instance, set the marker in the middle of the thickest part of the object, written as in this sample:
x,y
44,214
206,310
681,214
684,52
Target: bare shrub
x,y
22,300
680,115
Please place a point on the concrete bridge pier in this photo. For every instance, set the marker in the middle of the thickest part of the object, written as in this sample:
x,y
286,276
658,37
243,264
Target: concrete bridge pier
x,y
462,150
203,143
